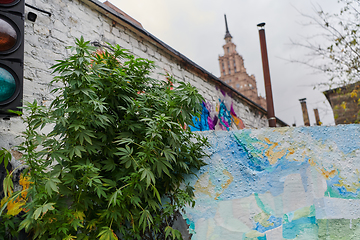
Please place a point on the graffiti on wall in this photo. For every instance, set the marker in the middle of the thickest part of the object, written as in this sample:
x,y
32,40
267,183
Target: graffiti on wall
x,y
284,183
219,115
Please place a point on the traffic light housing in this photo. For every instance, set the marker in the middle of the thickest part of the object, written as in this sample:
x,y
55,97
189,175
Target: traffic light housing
x,y
11,56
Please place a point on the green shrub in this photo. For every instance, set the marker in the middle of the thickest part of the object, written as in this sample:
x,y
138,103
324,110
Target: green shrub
x,y
114,162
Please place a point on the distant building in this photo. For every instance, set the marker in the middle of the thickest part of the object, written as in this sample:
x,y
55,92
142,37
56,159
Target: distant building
x,y
345,103
234,73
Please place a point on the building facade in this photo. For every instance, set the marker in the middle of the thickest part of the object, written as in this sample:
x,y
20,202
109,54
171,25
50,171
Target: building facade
x,y
233,71
344,102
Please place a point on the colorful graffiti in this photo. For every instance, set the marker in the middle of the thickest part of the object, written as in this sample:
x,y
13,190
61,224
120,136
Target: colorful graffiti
x,y
222,117
283,183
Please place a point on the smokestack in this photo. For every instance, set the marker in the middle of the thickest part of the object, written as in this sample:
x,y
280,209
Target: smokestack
x,y
317,117
304,111
265,64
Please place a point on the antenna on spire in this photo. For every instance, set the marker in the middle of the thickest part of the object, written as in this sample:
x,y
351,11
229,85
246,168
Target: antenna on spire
x,y
227,29
227,34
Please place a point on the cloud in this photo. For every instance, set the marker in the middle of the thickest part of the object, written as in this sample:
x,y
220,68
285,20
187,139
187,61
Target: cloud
x,y
196,29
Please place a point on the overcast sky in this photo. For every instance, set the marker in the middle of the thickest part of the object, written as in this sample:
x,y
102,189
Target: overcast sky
x,y
196,28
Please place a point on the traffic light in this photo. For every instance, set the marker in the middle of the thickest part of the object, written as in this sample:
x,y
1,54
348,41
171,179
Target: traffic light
x,y
11,55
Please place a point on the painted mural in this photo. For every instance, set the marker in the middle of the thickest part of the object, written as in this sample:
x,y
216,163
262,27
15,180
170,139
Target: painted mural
x,y
220,115
283,183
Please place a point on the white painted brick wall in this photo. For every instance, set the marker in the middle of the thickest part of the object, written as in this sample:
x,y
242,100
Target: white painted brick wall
x,y
45,42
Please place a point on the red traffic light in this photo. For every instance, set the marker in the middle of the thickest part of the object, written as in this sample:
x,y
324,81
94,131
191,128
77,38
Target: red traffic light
x,y
8,36
8,2
11,56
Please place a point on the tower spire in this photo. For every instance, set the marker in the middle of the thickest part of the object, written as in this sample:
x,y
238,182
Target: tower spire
x,y
227,34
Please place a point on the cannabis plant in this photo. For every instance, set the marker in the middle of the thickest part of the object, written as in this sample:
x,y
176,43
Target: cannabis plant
x,y
107,159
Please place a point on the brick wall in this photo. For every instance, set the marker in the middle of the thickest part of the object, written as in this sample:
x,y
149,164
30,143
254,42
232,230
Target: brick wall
x,y
46,39
344,102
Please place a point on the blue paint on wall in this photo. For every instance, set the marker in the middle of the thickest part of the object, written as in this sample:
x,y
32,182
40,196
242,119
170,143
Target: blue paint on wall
x,y
201,124
274,221
269,183
340,191
224,116
292,229
342,135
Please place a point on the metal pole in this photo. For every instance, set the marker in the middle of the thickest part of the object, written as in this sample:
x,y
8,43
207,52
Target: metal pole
x,y
265,64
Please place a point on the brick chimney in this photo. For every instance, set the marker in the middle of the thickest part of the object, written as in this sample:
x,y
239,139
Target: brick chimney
x,y
304,111
317,117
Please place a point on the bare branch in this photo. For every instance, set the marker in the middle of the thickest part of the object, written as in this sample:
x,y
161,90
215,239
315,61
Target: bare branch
x,y
334,49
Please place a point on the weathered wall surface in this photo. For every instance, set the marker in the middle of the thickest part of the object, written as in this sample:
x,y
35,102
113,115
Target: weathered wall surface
x,y
46,39
284,183
344,103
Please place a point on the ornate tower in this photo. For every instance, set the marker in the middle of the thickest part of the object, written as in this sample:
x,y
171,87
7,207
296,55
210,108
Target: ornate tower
x,y
234,73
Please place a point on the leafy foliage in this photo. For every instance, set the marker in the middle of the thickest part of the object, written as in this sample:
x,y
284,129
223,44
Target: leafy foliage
x,y
335,49
11,204
113,165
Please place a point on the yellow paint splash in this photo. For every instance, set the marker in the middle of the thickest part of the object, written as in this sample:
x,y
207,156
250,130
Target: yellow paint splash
x,y
217,107
231,178
327,174
238,122
282,131
205,186
273,156
207,189
312,162
291,151
225,185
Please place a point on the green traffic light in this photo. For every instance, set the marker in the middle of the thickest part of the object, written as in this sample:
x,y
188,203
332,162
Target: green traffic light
x,y
7,85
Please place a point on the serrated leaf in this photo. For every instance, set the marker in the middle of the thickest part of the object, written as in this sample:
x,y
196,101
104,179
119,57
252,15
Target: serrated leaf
x,y
77,151
25,224
46,207
107,234
124,140
128,164
37,213
113,197
88,139
51,186
169,154
149,176
156,192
